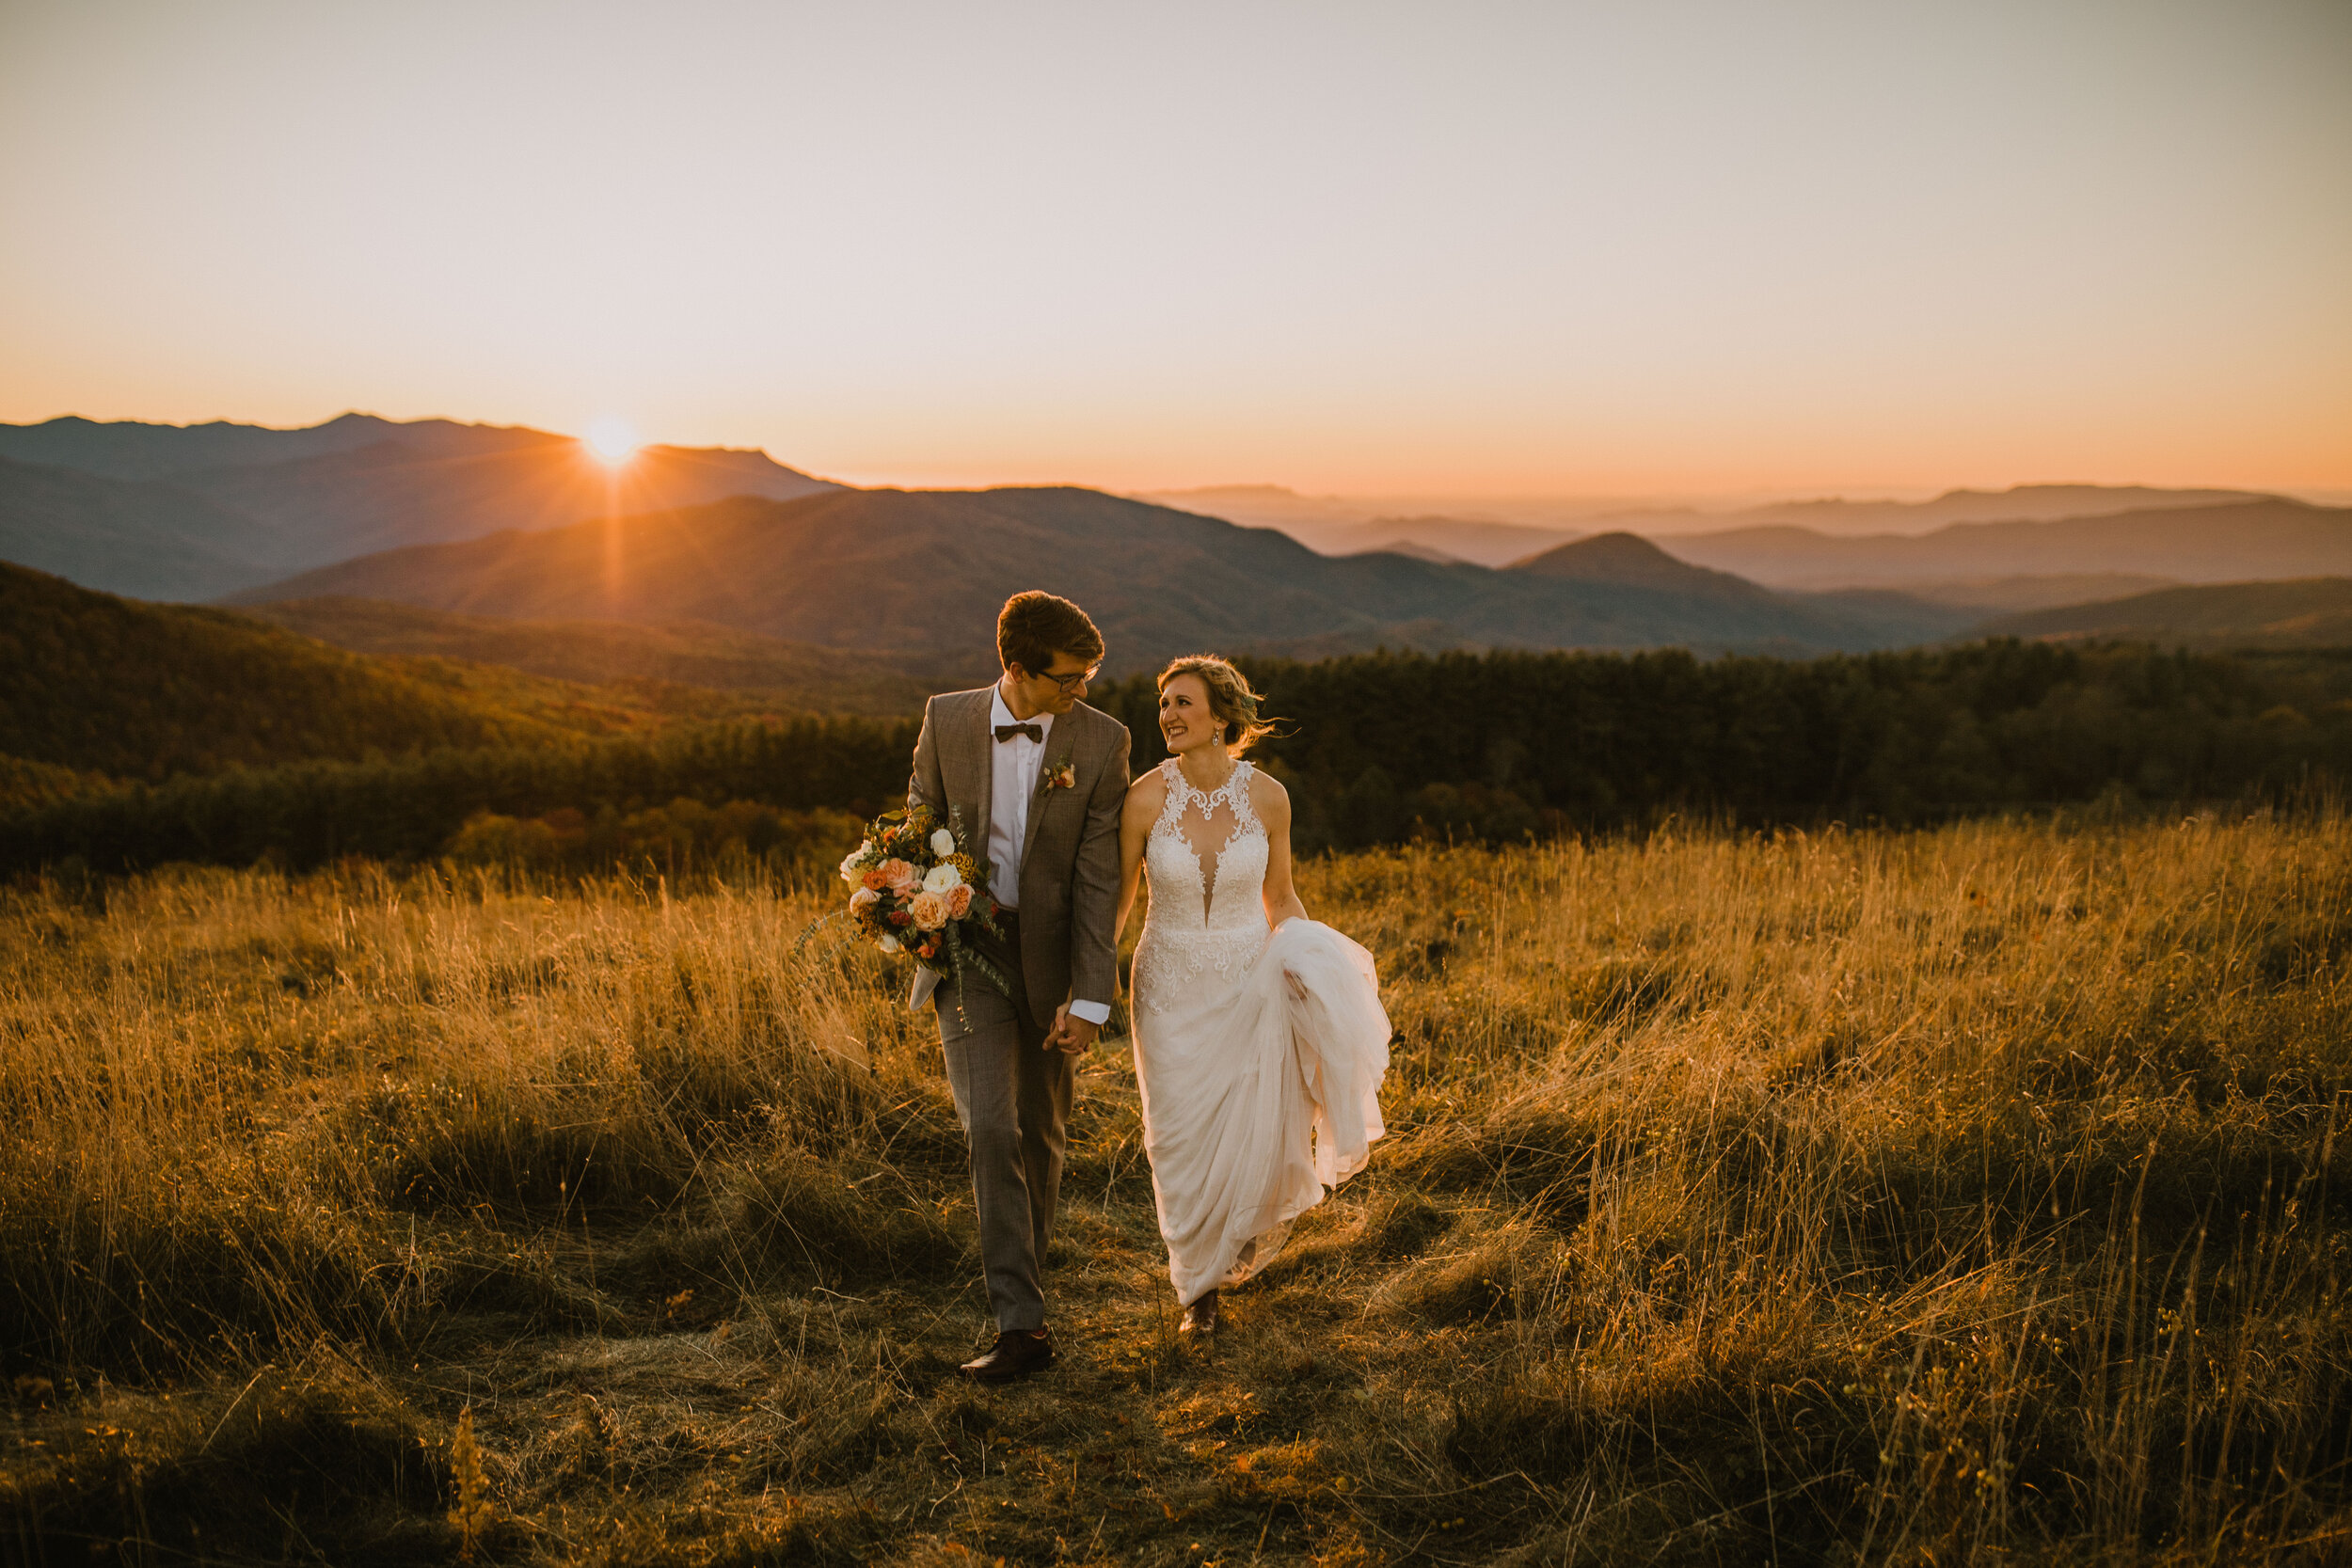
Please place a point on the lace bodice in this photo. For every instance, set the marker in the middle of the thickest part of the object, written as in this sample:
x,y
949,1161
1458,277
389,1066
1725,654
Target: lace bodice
x,y
1206,861
1206,856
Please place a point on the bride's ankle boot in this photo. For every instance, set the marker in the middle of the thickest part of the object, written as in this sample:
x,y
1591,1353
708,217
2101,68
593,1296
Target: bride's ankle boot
x,y
1200,1317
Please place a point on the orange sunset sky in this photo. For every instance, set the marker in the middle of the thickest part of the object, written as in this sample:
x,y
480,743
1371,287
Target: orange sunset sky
x,y
1656,248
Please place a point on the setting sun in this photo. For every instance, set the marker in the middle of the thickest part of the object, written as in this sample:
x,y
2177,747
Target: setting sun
x,y
611,440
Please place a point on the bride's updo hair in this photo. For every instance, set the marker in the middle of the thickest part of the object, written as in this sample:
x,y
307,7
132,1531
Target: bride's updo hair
x,y
1230,698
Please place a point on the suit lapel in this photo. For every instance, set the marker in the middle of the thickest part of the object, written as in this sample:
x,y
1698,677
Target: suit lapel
x,y
980,759
1060,746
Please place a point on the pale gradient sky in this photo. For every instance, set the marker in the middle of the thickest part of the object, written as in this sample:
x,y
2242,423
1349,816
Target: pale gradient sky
x,y
1460,248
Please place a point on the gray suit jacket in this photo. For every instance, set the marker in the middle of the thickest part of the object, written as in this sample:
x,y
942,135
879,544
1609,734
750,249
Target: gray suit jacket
x,y
1068,865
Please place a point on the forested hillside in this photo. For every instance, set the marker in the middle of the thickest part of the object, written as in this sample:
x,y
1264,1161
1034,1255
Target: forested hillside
x,y
1497,746
690,654
2304,612
415,807
105,685
1376,749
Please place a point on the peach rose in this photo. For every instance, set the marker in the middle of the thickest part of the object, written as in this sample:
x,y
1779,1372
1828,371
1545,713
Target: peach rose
x,y
959,902
897,875
930,911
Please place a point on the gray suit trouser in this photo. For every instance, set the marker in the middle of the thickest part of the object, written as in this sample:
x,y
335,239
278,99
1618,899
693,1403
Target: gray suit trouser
x,y
1012,1096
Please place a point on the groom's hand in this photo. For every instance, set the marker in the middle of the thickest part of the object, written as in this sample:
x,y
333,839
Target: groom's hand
x,y
1074,1035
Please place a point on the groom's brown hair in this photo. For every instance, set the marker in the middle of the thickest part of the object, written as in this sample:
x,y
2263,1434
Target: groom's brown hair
x,y
1034,627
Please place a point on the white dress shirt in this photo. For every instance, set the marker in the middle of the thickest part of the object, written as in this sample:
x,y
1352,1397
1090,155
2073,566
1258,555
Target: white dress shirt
x,y
1013,786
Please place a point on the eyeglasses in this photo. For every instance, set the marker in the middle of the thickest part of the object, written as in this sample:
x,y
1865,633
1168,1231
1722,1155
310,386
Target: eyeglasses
x,y
1070,683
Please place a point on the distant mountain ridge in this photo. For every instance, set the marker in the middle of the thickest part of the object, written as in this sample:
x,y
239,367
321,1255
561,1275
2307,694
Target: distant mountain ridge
x,y
221,510
2267,538
1478,541
139,449
915,572
2020,504
1631,560
144,538
1495,531
1793,546
337,505
226,505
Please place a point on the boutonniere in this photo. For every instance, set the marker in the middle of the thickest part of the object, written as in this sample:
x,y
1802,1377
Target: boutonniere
x,y
1061,775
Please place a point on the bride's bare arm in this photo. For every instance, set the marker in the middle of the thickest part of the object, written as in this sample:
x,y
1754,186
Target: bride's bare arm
x,y
1272,803
1144,799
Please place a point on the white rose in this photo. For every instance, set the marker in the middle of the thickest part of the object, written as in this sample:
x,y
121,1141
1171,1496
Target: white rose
x,y
863,897
943,842
942,878
890,944
851,869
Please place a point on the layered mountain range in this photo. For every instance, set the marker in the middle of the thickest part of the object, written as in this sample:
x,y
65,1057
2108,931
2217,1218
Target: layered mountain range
x,y
1837,516
1495,532
2268,536
917,571
191,511
513,546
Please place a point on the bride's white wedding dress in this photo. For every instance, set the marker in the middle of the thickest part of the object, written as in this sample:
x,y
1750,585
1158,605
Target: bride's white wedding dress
x,y
1259,1054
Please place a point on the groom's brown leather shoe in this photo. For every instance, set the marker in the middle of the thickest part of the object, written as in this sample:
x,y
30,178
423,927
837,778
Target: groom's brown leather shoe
x,y
1016,1353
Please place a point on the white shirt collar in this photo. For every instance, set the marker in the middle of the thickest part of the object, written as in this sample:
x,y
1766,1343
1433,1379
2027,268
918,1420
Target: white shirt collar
x,y
999,714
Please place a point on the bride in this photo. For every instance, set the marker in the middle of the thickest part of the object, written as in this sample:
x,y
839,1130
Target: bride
x,y
1259,1037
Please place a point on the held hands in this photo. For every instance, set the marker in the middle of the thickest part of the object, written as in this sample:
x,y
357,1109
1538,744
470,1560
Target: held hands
x,y
1074,1035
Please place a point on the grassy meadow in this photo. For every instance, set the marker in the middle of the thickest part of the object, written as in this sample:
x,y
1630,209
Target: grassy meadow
x,y
1960,1195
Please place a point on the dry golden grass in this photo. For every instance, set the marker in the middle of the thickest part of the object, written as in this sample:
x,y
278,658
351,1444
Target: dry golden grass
x,y
1962,1196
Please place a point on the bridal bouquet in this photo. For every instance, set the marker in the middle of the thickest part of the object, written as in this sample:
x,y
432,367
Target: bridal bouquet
x,y
914,891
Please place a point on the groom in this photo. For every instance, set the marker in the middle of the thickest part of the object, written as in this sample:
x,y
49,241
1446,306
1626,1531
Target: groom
x,y
1042,776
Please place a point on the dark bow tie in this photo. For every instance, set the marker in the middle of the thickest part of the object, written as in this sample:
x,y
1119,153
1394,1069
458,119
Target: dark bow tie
x,y
1035,732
